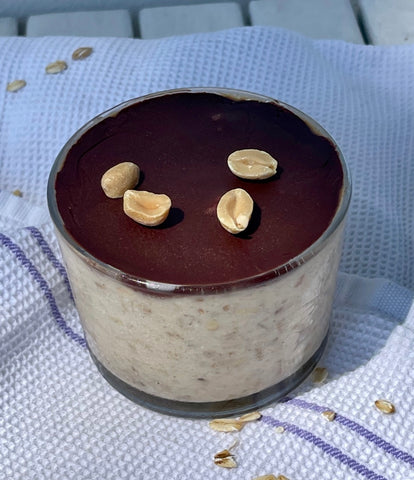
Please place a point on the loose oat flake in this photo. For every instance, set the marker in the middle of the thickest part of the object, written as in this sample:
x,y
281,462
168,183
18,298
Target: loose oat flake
x,y
81,53
250,417
15,85
319,375
265,477
223,454
225,459
226,425
234,424
271,477
56,67
227,462
329,415
385,406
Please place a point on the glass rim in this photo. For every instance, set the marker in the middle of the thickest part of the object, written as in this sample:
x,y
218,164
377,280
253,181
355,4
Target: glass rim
x,y
170,288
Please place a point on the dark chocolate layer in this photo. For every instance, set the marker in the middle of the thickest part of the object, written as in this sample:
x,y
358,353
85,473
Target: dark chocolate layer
x,y
181,143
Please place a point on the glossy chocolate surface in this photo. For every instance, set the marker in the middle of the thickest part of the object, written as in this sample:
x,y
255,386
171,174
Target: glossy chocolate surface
x,y
181,143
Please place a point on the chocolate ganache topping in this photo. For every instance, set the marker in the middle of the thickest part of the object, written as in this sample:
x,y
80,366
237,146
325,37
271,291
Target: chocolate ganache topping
x,y
181,142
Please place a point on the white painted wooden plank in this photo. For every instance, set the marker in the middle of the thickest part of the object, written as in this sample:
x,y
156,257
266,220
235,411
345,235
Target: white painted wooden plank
x,y
388,22
26,8
159,22
8,27
322,19
105,23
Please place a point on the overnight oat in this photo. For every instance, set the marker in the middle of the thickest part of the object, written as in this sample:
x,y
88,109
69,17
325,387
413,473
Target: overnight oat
x,y
201,230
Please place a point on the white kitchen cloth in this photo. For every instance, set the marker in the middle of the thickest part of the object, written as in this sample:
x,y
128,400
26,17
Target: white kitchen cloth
x,y
58,418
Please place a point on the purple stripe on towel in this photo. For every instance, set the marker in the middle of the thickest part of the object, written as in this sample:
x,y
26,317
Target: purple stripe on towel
x,y
325,447
24,260
37,235
356,427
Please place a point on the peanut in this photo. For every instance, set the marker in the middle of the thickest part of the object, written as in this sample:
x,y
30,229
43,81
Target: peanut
x,y
234,210
252,164
120,178
146,208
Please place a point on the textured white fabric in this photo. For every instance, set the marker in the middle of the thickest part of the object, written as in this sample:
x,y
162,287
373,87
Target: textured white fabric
x,y
58,418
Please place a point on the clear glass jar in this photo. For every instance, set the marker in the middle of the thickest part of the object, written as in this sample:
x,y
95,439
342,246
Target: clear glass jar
x,y
205,351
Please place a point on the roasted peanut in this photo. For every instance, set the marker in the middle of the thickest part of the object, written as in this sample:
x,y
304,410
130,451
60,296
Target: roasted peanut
x,y
146,208
234,210
120,178
252,164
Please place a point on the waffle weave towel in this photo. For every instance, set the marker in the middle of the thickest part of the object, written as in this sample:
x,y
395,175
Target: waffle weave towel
x,y
58,418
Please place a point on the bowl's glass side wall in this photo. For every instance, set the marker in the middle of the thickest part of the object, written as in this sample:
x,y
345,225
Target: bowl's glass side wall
x,y
246,343
206,348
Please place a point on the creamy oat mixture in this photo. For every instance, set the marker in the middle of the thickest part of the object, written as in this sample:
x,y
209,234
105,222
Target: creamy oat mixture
x,y
205,348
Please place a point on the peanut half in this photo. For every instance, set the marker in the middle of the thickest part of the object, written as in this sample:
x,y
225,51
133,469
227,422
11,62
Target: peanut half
x,y
147,208
252,164
234,210
120,178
